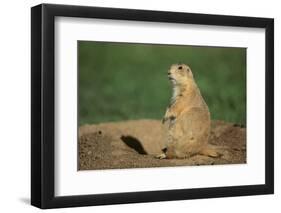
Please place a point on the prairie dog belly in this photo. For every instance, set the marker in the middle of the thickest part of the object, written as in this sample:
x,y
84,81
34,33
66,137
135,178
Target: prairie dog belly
x,y
188,134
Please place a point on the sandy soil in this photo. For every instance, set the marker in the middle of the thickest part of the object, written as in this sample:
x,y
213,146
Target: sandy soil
x,y
133,144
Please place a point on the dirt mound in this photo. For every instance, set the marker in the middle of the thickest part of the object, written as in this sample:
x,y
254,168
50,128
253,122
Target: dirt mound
x,y
133,144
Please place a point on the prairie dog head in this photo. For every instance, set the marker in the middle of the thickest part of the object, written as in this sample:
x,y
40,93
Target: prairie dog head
x,y
180,74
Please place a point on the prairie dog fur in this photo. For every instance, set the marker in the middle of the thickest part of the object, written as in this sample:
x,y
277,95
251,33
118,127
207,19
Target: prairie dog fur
x,y
187,119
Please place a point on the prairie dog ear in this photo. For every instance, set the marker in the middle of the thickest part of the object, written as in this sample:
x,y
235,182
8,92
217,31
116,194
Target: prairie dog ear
x,y
188,70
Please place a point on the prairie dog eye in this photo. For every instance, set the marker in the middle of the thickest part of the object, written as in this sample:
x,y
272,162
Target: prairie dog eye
x,y
180,67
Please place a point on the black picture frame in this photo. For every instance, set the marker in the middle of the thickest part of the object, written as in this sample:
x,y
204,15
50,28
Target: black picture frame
x,y
43,102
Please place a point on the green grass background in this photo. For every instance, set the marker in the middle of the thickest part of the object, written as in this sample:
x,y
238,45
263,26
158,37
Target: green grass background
x,y
120,81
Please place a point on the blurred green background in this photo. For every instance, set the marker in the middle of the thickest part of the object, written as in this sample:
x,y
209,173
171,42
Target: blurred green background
x,y
121,81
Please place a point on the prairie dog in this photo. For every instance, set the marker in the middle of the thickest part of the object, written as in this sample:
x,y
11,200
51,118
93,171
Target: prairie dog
x,y
187,119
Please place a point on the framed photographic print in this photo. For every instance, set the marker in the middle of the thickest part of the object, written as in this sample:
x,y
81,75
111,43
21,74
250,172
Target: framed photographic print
x,y
139,106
